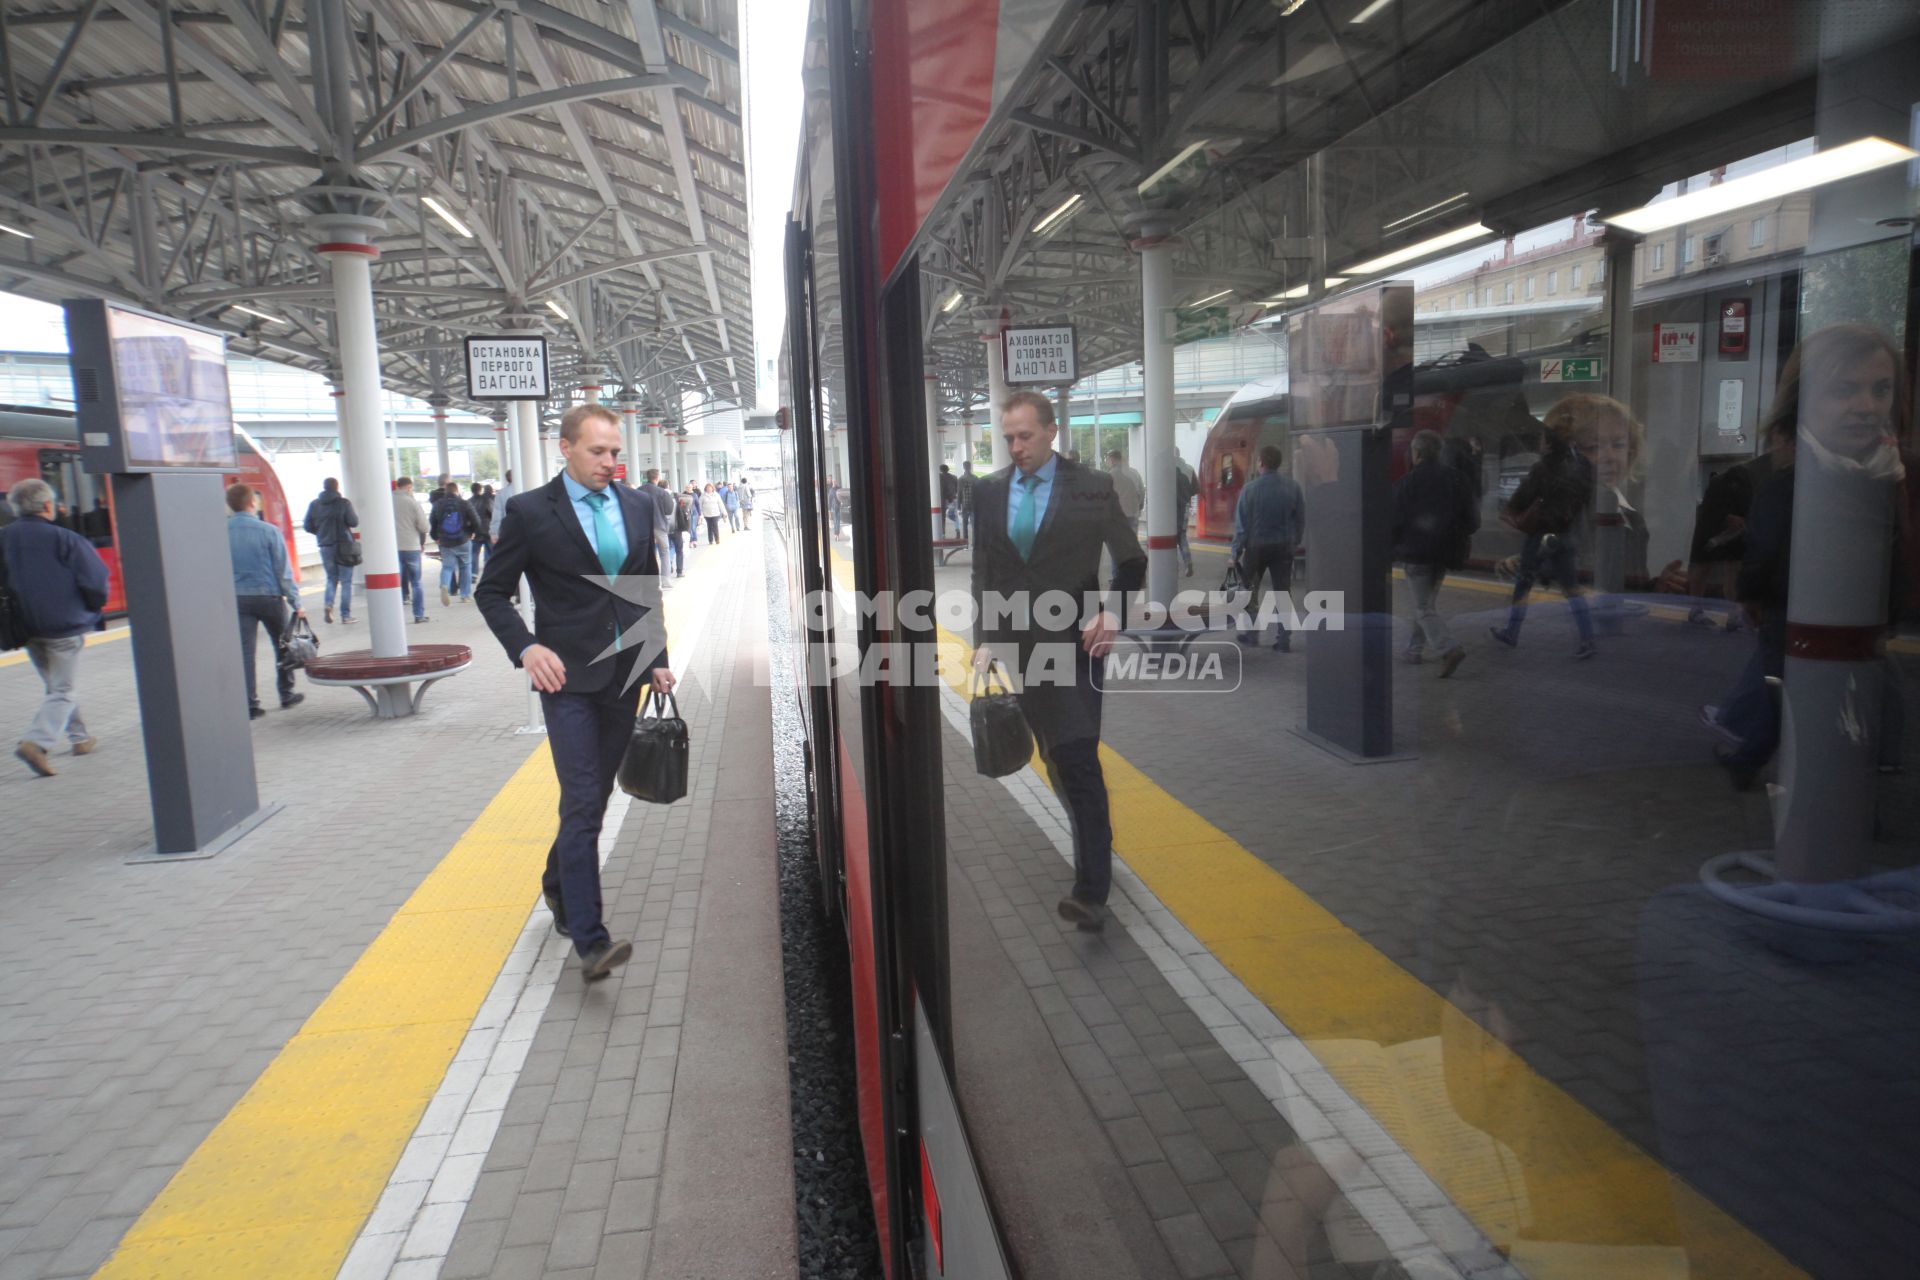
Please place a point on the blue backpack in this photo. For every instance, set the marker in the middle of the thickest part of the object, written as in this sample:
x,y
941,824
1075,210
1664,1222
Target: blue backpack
x,y
451,525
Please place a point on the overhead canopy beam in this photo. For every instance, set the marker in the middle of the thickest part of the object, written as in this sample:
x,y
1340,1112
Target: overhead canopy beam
x,y
502,110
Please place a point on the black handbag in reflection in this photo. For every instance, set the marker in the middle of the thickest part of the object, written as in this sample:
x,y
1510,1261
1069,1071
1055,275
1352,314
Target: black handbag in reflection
x,y
655,766
1002,742
1233,580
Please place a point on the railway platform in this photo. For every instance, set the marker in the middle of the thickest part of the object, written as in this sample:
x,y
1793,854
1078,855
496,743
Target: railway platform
x,y
351,1044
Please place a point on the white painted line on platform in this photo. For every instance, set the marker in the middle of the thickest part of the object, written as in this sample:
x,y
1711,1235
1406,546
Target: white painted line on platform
x,y
1413,1217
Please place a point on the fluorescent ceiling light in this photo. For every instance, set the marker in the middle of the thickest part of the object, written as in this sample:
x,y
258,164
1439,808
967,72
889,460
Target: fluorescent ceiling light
x,y
1073,202
250,311
15,231
1425,248
1369,11
1816,170
1301,290
1418,214
1174,163
557,309
1212,297
952,303
1288,6
446,216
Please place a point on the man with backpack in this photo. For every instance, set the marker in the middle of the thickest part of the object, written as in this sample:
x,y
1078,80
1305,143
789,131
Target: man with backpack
x,y
454,524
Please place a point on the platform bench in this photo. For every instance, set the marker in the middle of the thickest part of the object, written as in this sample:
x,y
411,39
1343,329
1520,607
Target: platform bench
x,y
945,549
388,684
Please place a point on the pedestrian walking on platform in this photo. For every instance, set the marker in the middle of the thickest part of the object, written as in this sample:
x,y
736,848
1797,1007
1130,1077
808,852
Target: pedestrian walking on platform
x,y
949,501
1548,508
683,524
480,498
746,503
410,530
1434,519
1043,524
1186,486
711,509
664,508
454,524
690,503
967,480
61,584
262,581
594,642
731,497
331,520
1267,524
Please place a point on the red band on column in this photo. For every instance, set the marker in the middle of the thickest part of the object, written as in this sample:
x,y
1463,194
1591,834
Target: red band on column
x,y
383,582
367,249
1162,541
1835,644
1609,520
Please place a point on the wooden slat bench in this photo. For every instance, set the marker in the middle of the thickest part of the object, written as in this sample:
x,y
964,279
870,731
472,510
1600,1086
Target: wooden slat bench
x,y
388,683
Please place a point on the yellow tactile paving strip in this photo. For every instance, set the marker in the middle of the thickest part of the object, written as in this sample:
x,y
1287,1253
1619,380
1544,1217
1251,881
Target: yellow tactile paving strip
x,y
282,1185
1544,1178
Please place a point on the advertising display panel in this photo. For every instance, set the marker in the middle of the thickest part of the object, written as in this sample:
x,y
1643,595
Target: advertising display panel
x,y
150,393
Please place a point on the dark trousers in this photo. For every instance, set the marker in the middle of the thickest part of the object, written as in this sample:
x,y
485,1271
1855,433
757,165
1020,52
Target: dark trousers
x,y
713,530
269,612
1271,562
588,735
1552,558
679,554
1073,770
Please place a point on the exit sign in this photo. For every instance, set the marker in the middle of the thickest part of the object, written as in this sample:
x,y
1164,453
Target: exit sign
x,y
1583,370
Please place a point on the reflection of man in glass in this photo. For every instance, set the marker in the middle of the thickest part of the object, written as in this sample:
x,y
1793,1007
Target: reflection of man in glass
x,y
1039,528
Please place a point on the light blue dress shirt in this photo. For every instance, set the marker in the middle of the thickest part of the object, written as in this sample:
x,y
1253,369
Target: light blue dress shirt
x,y
584,510
1042,492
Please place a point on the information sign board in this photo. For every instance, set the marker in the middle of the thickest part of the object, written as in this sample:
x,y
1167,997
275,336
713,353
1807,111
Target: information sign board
x,y
507,368
1040,355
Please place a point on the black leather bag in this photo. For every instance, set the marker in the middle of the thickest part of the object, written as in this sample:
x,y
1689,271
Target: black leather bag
x,y
1233,580
298,645
655,766
347,551
1002,742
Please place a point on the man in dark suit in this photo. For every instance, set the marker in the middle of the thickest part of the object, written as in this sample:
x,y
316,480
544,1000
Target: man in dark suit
x,y
586,548
1039,526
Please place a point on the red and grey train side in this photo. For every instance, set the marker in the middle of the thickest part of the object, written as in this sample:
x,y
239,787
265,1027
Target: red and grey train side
x,y
45,443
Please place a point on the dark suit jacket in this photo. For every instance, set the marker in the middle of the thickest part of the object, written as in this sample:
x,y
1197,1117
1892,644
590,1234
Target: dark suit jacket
x,y
1082,516
574,614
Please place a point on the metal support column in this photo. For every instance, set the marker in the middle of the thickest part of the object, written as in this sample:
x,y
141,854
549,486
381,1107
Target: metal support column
x,y
345,244
996,392
936,503
502,445
444,460
1155,460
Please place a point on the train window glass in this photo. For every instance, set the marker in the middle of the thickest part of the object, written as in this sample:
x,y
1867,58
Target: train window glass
x,y
1465,926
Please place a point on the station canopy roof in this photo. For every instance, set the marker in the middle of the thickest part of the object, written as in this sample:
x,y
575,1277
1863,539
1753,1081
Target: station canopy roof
x,y
585,158
1282,140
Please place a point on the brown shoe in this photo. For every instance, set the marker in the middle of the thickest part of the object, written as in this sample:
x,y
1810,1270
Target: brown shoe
x,y
85,746
1090,916
35,757
327,612
1451,663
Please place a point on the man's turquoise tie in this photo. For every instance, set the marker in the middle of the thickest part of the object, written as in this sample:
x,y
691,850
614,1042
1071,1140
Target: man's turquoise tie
x,y
1024,519
605,545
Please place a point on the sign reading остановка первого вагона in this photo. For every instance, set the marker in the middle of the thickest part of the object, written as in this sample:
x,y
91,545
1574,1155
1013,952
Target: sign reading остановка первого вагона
x,y
1040,354
509,368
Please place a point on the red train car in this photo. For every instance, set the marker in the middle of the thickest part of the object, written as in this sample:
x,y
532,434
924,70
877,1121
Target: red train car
x,y
45,443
